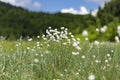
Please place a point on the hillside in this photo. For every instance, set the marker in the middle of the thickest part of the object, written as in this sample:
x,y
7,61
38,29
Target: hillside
x,y
110,13
16,21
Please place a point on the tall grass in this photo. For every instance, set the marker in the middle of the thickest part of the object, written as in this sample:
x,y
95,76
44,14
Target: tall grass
x,y
30,61
58,55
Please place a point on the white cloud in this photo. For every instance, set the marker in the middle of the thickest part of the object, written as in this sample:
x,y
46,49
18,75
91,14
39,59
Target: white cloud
x,y
100,2
23,3
82,11
94,12
36,4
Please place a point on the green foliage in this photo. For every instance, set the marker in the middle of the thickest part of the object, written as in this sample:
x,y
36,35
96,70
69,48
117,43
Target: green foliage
x,y
110,12
25,60
16,21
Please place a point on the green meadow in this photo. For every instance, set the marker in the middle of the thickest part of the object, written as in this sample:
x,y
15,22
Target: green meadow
x,y
41,60
36,45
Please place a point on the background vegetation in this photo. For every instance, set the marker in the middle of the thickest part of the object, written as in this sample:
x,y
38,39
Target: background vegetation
x,y
16,22
59,55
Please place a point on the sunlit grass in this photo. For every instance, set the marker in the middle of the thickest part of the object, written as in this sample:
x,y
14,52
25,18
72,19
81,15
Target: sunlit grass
x,y
58,55
28,61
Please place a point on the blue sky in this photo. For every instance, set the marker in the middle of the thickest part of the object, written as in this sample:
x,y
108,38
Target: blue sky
x,y
58,5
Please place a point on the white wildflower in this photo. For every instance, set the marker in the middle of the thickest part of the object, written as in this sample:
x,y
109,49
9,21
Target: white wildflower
x,y
72,36
85,33
83,56
61,75
65,70
64,43
66,29
103,29
103,68
62,27
75,53
75,44
52,30
118,30
43,36
112,51
97,61
48,45
78,39
77,73
96,42
91,77
41,55
30,39
106,61
94,56
117,39
28,48
108,55
49,27
97,30
38,36
47,52
86,39
17,45
73,39
78,48
70,33
36,54
36,60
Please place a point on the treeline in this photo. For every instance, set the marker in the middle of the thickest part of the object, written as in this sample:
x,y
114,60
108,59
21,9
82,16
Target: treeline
x,y
110,13
16,21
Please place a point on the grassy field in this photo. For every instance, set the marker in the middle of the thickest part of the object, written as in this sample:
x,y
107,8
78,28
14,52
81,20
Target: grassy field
x,y
58,55
41,60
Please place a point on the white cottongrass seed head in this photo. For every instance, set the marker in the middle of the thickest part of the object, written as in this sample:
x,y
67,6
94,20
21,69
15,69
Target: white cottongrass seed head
x,y
103,29
96,42
36,60
118,30
83,56
97,30
91,77
75,53
85,33
117,39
